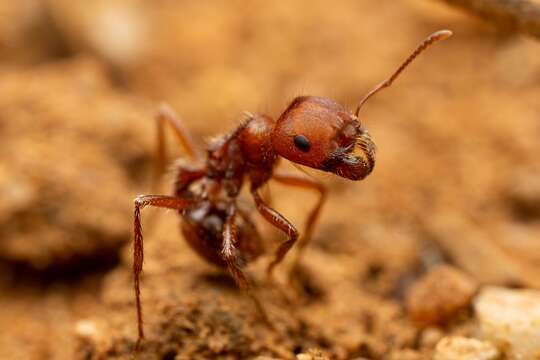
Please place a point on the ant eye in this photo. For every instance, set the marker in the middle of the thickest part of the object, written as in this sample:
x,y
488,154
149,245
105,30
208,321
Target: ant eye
x,y
302,143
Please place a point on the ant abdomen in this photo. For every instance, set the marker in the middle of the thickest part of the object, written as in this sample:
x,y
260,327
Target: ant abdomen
x,y
203,226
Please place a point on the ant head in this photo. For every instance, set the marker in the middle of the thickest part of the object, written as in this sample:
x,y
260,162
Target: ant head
x,y
321,134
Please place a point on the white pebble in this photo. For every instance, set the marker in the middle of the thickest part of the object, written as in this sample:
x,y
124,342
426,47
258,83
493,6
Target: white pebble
x,y
511,320
461,348
85,329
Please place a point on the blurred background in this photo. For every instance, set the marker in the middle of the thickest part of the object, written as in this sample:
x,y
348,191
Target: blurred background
x,y
457,179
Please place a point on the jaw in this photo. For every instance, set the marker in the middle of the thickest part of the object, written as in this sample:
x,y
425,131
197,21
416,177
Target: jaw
x,y
355,161
356,169
364,150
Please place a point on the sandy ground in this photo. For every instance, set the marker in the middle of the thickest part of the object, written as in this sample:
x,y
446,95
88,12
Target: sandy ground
x,y
456,179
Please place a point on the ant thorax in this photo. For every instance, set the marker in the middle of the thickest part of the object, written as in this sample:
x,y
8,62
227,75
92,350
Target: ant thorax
x,y
245,151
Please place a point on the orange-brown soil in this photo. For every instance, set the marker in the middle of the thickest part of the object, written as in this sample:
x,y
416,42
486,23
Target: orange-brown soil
x,y
456,179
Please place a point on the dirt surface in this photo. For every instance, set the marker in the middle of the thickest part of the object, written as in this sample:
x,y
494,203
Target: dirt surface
x,y
456,179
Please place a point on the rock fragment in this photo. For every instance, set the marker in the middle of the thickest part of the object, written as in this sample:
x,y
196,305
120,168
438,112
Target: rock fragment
x,y
511,319
313,354
462,348
439,295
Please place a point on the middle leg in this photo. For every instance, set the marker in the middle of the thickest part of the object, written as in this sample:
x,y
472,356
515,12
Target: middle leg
x,y
142,201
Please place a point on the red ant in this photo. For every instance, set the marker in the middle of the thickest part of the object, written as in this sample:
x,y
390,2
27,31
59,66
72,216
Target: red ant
x,y
312,131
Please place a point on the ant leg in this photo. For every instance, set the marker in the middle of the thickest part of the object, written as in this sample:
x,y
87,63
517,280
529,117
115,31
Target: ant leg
x,y
276,219
142,201
266,194
167,116
230,255
293,180
185,175
228,251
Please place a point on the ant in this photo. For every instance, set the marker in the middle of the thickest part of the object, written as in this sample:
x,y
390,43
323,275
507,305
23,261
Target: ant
x,y
312,131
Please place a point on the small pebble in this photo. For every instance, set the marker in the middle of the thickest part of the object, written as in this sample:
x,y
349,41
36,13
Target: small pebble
x,y
430,337
85,329
510,319
313,354
461,348
439,295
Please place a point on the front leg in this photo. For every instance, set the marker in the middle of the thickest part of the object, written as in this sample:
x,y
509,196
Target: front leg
x,y
276,219
292,180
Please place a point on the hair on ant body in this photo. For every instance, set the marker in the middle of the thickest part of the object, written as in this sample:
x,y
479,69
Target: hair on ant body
x,y
312,131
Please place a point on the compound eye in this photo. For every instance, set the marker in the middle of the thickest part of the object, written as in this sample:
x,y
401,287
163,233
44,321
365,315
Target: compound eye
x,y
302,143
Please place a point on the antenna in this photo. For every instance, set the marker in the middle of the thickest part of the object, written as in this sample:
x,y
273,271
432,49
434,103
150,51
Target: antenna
x,y
433,38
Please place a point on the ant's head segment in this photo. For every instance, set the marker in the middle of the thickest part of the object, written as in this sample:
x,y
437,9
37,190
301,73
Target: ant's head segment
x,y
321,134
